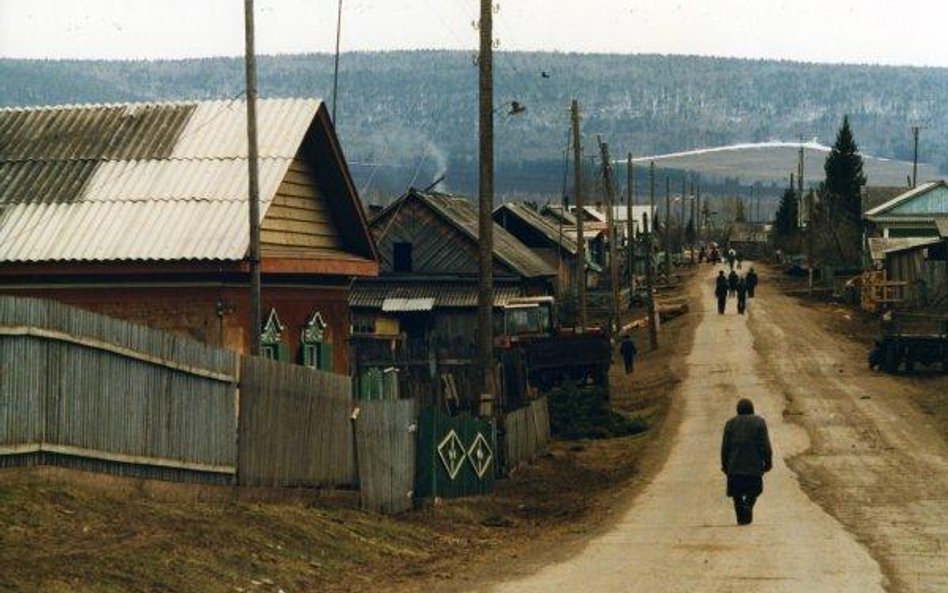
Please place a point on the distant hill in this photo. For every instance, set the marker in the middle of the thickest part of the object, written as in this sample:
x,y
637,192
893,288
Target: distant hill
x,y
772,162
407,117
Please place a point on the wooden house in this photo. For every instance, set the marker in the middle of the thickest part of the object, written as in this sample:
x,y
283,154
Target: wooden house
x,y
551,241
140,211
915,212
420,314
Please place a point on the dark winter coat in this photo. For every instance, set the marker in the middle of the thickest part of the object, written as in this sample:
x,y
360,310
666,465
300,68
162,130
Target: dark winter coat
x,y
720,287
732,280
751,280
745,447
741,289
627,349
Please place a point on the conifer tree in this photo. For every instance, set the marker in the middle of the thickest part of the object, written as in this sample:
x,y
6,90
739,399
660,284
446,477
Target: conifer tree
x,y
844,176
785,221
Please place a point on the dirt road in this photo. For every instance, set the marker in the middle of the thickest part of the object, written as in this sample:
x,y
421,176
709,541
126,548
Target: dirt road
x,y
857,500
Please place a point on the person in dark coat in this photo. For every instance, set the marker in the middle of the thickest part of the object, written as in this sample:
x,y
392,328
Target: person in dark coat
x,y
741,291
751,280
720,291
628,351
732,282
746,456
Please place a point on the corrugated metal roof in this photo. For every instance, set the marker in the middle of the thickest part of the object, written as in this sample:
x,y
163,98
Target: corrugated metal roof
x,y
507,248
451,293
161,181
407,305
556,234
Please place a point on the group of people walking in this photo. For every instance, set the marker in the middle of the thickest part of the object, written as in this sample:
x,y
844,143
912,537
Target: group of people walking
x,y
734,285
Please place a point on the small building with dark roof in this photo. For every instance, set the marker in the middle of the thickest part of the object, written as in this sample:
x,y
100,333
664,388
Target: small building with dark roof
x,y
140,211
551,241
420,314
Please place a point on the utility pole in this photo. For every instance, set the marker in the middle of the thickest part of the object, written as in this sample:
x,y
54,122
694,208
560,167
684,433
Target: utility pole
x,y
666,235
693,230
915,158
580,240
630,223
613,238
651,196
681,223
335,71
253,180
650,287
809,221
485,292
698,210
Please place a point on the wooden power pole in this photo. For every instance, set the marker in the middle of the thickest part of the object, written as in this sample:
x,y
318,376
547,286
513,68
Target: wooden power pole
x,y
578,198
253,181
666,234
630,224
485,292
616,325
915,158
650,287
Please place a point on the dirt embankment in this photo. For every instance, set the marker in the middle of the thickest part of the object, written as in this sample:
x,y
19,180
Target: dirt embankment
x,y
70,531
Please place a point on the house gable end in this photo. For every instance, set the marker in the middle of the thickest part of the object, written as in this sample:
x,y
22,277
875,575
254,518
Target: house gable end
x,y
934,201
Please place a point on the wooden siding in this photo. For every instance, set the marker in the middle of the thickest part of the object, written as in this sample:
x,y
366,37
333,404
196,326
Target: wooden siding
x,y
438,248
300,217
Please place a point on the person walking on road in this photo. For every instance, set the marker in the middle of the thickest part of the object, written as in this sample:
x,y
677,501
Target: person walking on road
x,y
732,283
720,291
746,456
741,296
628,351
751,280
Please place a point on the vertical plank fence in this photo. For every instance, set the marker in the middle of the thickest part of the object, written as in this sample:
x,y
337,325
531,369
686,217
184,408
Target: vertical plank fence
x,y
528,432
86,391
295,427
386,434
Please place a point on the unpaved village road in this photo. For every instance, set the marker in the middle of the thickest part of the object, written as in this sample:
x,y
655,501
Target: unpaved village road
x,y
857,500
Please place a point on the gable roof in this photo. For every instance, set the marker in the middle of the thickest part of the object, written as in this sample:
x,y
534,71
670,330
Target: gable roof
x,y
877,195
556,234
923,202
157,181
460,213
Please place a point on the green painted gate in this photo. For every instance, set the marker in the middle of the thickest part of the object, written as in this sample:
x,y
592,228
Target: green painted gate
x,y
457,455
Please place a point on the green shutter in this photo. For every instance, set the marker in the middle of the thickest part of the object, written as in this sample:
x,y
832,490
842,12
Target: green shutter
x,y
325,356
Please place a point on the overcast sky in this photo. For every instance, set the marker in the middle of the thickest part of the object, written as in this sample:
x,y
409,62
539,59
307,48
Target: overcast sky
x,y
862,31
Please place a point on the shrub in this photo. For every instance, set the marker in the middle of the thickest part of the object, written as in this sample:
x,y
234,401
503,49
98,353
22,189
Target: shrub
x,y
582,412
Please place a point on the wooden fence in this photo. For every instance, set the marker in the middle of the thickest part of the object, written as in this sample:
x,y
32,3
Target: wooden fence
x,y
82,390
86,391
295,427
527,433
386,439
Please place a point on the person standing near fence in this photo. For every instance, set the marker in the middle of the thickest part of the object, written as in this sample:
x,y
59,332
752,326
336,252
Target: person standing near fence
x,y
746,455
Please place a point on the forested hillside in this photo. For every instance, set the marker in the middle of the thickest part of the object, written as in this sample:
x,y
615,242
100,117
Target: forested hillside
x,y
405,117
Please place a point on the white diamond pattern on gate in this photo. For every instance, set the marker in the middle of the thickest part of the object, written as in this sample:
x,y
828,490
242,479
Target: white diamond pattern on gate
x,y
480,455
451,452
